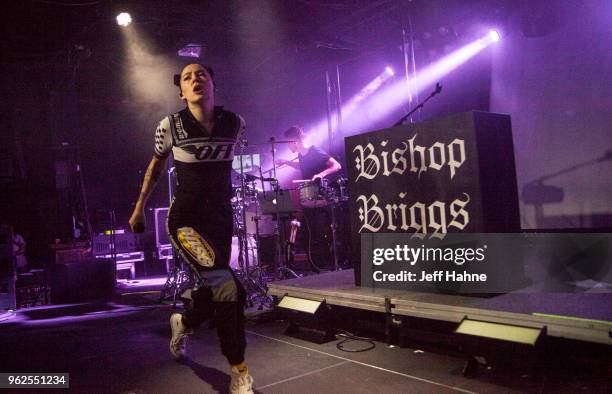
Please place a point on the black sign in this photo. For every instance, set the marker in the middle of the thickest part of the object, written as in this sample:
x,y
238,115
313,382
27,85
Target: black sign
x,y
453,174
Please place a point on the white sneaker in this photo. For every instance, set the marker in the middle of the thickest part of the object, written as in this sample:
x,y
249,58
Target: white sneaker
x,y
241,384
178,343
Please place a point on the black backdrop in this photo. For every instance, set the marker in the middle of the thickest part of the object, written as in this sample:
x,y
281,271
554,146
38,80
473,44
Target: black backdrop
x,y
452,174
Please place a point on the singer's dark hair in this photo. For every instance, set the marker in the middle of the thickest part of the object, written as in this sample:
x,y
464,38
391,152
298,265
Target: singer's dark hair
x,y
294,132
209,69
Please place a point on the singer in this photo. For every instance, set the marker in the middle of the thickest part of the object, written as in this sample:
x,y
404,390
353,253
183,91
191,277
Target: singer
x,y
201,138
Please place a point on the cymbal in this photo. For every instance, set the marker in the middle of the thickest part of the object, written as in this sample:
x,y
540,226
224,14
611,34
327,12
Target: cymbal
x,y
248,177
273,142
282,141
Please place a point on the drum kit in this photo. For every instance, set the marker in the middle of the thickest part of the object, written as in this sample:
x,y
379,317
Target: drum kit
x,y
260,209
321,199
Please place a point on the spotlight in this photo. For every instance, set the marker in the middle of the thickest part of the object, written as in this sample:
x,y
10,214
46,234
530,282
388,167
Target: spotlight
x,y
191,50
318,132
124,19
494,35
380,104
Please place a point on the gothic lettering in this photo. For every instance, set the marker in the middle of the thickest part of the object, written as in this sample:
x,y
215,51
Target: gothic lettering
x,y
420,218
409,155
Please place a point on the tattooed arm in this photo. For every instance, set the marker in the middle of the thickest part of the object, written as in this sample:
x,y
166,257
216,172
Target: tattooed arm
x,y
154,170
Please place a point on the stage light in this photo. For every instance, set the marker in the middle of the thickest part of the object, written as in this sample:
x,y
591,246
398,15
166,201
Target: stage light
x,y
146,72
488,342
124,19
318,133
502,332
308,319
494,35
384,101
300,304
191,50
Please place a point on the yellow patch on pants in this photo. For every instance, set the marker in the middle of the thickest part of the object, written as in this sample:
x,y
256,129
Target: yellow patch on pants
x,y
196,246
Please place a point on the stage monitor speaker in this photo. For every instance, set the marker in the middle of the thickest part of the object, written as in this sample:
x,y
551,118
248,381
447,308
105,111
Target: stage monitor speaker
x,y
300,304
502,332
506,346
308,319
81,281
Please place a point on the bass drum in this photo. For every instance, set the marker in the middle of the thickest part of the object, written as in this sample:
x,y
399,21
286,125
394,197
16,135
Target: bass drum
x,y
318,238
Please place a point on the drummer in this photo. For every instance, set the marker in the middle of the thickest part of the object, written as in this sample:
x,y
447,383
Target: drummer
x,y
313,161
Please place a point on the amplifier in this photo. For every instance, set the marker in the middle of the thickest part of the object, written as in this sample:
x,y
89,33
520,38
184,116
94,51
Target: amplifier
x,y
161,234
74,254
124,243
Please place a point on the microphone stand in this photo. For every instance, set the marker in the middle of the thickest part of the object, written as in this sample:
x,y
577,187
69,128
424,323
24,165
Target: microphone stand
x,y
243,249
250,270
421,105
535,190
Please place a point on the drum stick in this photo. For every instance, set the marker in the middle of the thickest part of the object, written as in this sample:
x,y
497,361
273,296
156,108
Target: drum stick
x,y
281,166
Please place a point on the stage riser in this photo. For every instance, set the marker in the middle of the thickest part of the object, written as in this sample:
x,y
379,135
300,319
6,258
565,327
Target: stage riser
x,y
334,289
436,336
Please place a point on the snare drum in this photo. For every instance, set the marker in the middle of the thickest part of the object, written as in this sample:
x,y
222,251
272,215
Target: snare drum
x,y
313,194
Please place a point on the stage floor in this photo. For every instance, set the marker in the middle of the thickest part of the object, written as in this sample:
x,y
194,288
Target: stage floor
x,y
121,346
580,316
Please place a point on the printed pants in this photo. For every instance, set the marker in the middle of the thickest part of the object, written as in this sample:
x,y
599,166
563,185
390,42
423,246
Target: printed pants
x,y
201,231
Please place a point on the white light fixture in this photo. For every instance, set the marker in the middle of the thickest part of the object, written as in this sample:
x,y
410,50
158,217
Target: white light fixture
x,y
124,19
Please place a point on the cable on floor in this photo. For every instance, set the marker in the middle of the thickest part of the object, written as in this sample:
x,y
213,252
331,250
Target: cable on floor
x,y
348,337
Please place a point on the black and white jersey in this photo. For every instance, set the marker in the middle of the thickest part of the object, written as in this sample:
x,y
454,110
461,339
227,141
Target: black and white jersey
x,y
203,160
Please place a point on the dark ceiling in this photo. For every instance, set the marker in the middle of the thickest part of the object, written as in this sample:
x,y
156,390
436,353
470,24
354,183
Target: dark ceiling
x,y
45,28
